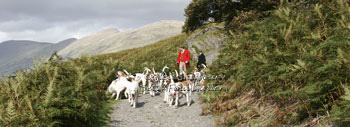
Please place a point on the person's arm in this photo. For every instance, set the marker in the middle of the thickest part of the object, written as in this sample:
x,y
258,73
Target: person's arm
x,y
204,59
198,60
178,58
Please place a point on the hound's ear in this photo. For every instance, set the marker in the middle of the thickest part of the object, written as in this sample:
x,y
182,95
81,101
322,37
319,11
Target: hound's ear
x,y
116,73
121,73
138,79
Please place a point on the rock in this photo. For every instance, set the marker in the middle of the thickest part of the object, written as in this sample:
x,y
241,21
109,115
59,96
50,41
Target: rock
x,y
209,40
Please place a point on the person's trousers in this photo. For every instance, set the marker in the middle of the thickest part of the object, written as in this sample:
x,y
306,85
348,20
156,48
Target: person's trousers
x,y
182,67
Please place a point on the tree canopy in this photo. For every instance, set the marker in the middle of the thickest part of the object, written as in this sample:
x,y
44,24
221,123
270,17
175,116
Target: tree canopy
x,y
198,12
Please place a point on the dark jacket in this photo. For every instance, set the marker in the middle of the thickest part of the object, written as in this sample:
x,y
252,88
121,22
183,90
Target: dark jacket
x,y
201,59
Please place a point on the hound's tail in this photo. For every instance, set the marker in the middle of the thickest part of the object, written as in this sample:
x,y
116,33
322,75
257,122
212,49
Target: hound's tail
x,y
153,70
205,67
147,70
171,75
177,74
165,67
126,72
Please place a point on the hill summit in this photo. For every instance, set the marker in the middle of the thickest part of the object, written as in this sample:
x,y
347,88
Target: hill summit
x,y
111,40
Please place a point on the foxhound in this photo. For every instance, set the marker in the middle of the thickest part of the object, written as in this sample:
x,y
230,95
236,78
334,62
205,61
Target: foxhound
x,y
177,88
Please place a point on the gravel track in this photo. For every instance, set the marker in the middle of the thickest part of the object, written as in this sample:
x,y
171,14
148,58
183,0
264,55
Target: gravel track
x,y
153,112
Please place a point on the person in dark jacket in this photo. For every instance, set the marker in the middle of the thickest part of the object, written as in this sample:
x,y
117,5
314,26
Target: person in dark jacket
x,y
201,60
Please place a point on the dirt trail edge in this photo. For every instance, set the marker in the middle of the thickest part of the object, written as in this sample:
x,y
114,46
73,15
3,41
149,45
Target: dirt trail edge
x,y
153,112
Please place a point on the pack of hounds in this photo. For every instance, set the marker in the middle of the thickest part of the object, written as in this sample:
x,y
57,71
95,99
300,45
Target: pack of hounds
x,y
173,86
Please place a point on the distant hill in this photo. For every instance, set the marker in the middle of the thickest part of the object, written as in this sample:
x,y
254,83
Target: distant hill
x,y
111,40
19,54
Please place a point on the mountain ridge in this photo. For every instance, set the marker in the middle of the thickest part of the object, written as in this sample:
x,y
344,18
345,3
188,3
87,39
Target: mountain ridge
x,y
19,54
111,40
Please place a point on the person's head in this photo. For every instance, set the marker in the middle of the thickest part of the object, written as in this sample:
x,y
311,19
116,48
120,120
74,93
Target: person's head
x,y
200,51
182,48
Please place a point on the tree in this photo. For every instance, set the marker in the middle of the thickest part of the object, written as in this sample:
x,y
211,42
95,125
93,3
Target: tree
x,y
198,12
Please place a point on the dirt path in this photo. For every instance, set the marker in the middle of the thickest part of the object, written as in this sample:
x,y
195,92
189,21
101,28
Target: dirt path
x,y
153,112
211,56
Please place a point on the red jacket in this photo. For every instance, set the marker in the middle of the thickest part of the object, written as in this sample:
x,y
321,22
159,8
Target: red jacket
x,y
183,57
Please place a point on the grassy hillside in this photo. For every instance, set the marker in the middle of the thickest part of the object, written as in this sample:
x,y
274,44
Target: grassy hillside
x,y
155,56
72,93
288,68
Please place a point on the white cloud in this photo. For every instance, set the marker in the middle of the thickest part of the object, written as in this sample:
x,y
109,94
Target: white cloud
x,y
3,36
56,20
54,34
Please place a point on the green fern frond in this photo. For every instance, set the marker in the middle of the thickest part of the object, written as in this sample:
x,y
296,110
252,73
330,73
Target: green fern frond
x,y
50,89
10,115
346,95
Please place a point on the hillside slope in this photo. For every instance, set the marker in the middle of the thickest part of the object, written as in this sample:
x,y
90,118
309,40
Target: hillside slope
x,y
209,39
13,49
16,55
111,40
285,67
52,92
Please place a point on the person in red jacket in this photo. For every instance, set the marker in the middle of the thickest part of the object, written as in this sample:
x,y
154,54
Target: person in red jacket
x,y
183,60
